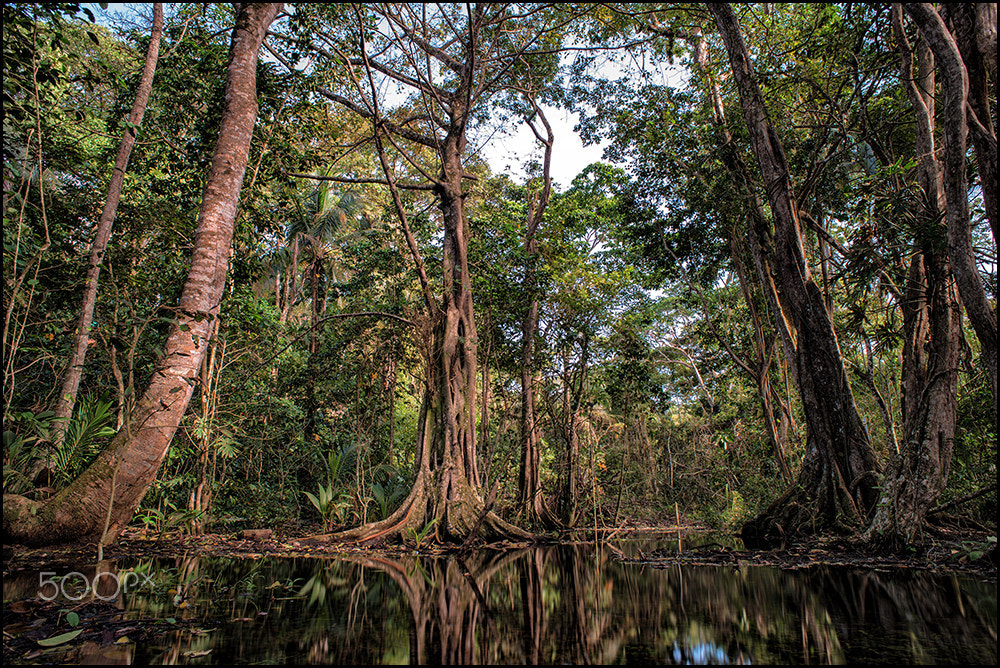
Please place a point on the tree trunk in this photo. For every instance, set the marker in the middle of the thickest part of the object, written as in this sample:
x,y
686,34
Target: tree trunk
x,y
74,370
102,500
918,473
572,399
975,30
836,485
447,493
530,498
955,89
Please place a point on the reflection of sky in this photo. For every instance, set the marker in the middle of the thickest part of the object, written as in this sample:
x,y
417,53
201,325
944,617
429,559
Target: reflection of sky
x,y
703,654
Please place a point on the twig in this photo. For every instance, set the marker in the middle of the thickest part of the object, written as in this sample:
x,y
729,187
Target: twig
x,y
968,497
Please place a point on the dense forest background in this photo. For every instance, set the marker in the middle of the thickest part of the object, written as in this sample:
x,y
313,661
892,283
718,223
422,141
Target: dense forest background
x,y
632,348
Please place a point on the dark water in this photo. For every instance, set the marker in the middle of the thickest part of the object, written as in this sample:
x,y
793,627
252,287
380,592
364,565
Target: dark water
x,y
561,604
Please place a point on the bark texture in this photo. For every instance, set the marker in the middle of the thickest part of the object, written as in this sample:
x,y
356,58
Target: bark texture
x,y
74,370
836,487
102,500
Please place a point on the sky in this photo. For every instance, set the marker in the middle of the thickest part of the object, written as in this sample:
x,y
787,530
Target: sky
x,y
508,153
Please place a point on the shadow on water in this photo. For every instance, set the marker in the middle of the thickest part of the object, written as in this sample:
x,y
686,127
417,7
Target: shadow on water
x,y
555,604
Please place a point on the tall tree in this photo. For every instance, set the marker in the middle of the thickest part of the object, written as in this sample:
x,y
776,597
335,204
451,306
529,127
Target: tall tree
x,y
918,473
452,60
101,501
74,370
530,496
836,486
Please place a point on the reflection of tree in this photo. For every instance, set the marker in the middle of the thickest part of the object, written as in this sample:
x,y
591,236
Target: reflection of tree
x,y
532,576
537,606
944,623
453,622
554,604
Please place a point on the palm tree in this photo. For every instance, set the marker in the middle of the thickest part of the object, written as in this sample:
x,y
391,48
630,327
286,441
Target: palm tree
x,y
317,225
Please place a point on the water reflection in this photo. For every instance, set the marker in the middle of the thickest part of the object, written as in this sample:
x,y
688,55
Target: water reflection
x,y
558,604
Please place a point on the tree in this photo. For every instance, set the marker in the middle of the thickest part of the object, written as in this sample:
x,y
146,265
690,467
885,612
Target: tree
x,y
452,60
918,472
836,486
530,478
74,370
961,114
312,236
101,501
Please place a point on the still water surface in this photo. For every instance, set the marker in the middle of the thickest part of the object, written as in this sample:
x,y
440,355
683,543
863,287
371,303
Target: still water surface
x,y
548,605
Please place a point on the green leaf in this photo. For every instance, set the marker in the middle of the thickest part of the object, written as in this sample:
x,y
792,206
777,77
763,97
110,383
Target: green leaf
x,y
60,639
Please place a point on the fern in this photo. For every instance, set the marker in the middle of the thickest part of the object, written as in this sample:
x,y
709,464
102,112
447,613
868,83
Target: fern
x,y
80,441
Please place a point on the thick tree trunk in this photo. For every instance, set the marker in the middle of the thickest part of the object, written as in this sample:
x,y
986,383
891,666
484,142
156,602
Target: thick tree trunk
x,y
836,485
74,370
919,472
101,502
446,494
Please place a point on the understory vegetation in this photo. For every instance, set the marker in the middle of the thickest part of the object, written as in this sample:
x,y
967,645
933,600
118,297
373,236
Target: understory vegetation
x,y
663,387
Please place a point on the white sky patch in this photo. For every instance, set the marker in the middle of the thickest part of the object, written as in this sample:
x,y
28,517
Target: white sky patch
x,y
508,153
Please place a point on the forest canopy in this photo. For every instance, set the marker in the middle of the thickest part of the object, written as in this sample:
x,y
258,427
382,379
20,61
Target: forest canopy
x,y
278,265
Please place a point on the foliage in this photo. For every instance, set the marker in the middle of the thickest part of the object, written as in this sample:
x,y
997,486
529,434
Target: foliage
x,y
80,444
644,276
29,448
19,453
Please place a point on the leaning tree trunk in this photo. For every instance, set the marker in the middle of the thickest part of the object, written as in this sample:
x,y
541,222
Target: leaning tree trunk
x,y
74,370
918,473
836,484
102,500
974,26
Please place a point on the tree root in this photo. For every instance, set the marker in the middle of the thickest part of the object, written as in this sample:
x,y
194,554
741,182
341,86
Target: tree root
x,y
441,521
